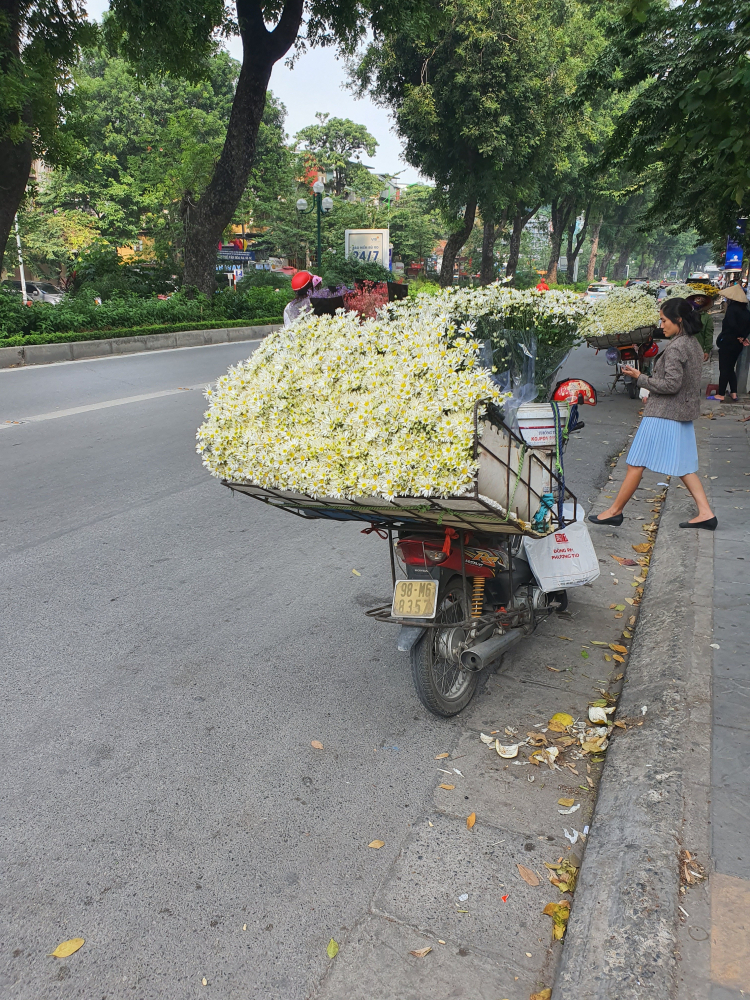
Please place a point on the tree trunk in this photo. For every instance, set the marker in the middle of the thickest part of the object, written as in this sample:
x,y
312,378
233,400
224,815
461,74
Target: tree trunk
x,y
455,241
487,270
591,269
206,221
561,210
520,219
17,157
574,250
490,234
622,260
605,263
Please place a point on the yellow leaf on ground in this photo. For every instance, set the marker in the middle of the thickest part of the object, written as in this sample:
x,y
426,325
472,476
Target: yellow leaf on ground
x,y
617,648
566,802
527,875
619,659
643,547
562,718
471,820
316,744
559,913
629,600
333,949
376,844
421,952
442,756
607,657
66,948
542,994
565,637
596,642
621,725
448,788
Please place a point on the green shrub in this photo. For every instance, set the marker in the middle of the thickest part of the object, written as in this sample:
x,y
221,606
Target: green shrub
x,y
80,313
264,279
141,331
340,270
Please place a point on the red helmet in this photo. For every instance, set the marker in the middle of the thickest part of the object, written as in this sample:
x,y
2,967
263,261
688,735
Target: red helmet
x,y
651,350
575,390
301,280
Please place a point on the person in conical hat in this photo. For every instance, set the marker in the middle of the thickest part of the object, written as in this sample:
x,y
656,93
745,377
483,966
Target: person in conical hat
x,y
735,334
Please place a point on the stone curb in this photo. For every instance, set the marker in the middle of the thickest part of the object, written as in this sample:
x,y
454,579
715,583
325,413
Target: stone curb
x,y
623,933
45,354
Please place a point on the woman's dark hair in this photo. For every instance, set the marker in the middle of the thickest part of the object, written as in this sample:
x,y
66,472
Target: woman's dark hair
x,y
681,312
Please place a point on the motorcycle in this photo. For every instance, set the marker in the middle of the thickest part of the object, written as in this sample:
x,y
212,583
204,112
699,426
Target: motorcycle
x,y
634,355
466,593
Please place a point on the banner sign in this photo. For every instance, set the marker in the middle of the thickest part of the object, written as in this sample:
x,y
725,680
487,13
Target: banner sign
x,y
368,245
233,254
733,261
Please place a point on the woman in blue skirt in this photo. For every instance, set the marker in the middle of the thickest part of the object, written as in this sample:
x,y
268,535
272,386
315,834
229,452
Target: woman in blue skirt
x,y
665,440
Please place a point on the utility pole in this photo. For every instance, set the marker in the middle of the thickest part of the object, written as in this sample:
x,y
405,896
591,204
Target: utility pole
x,y
20,263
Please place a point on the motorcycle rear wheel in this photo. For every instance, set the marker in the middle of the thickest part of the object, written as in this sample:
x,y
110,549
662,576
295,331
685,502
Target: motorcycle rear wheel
x,y
442,685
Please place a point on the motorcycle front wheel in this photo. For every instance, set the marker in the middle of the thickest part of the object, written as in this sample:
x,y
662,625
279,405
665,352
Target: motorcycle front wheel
x,y
442,685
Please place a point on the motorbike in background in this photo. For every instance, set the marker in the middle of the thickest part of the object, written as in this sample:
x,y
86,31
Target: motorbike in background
x,y
638,356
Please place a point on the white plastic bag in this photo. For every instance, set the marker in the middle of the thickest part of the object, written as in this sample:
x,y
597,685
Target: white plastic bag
x,y
563,559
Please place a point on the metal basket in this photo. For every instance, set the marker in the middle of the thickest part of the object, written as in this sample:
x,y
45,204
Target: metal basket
x,y
506,493
641,335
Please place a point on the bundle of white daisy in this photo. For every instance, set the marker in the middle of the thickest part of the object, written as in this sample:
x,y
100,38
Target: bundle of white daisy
x,y
333,406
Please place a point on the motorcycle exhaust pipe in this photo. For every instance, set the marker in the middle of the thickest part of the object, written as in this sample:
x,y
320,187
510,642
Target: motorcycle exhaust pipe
x,y
486,653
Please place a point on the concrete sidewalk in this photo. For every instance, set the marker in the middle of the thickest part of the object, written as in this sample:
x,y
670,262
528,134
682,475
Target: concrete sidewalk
x,y
663,899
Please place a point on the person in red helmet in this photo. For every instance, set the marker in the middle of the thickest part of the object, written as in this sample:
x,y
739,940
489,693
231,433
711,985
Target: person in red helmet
x,y
303,284
542,286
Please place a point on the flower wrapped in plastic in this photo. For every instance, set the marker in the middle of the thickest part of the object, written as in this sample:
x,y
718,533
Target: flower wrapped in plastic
x,y
333,406
620,311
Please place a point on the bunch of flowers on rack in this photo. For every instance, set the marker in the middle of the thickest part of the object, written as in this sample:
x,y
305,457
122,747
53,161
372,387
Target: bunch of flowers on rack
x,y
333,406
498,313
620,311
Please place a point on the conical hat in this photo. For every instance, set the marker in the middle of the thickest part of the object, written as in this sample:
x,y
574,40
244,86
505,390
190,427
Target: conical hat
x,y
735,293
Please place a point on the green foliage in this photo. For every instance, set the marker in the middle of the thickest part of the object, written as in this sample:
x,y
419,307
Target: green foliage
x,y
264,279
683,125
333,144
133,331
340,270
121,312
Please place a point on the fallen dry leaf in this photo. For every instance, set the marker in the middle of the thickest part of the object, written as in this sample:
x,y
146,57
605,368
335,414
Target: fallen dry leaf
x,y
421,952
376,844
612,606
565,802
356,572
631,620
471,820
204,981
620,725
565,637
448,788
617,658
618,648
643,547
596,642
316,744
542,994
619,677
619,614
527,875
630,600
556,669
333,948
442,756
560,912
624,562
607,657
66,948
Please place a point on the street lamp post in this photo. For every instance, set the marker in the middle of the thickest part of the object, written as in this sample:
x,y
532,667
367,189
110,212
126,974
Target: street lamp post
x,y
320,203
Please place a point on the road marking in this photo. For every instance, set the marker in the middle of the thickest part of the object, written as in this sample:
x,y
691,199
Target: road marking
x,y
39,417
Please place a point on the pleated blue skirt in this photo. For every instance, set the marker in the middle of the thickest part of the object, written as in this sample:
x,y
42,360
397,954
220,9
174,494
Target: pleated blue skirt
x,y
665,446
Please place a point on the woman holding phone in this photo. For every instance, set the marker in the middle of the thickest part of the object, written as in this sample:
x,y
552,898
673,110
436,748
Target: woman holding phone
x,y
665,440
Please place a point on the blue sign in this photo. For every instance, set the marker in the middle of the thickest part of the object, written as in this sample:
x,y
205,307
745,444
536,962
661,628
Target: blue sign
x,y
733,259
233,254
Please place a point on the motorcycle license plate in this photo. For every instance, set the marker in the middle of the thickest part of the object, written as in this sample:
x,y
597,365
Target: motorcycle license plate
x,y
415,599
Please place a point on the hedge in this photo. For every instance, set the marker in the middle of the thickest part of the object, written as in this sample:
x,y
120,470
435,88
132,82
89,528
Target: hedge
x,y
142,331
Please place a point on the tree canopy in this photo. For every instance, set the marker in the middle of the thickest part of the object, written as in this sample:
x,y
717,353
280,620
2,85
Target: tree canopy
x,y
333,144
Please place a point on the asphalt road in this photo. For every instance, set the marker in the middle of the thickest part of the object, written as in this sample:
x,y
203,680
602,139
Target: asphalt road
x,y
168,653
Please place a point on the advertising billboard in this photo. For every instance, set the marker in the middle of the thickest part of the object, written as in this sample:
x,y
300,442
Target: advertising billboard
x,y
368,245
733,260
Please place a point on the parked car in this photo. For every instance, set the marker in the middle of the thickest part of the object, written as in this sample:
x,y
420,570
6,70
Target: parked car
x,y
38,291
598,291
699,276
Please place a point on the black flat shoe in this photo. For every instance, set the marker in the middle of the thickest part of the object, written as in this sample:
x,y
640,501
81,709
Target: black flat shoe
x,y
614,521
709,524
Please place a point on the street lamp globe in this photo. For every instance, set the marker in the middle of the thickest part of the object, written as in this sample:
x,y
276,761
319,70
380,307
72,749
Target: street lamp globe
x,y
327,204
318,187
301,204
